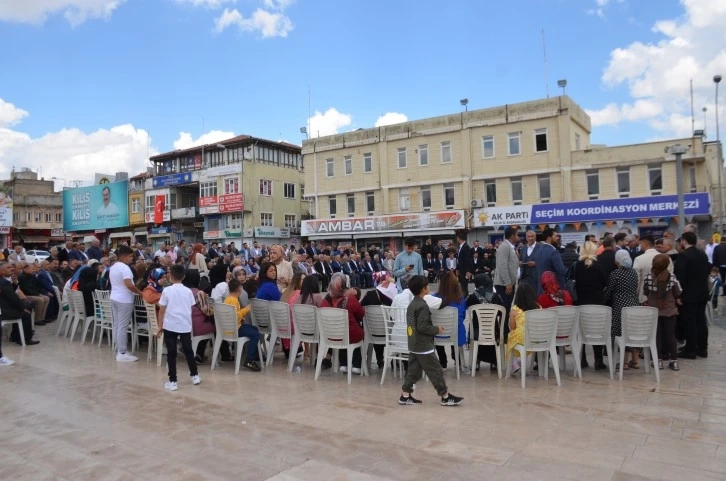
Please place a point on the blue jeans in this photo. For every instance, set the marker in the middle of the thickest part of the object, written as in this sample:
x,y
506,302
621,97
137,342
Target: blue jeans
x,y
248,330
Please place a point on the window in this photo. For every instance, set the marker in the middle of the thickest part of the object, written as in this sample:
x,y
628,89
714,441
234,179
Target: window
x,y
265,187
404,200
208,189
423,154
577,141
350,203
231,185
446,152
623,178
516,185
367,163
38,217
402,157
28,216
487,147
291,221
593,183
514,143
58,217
234,221
348,163
655,178
543,182
449,197
265,219
47,217
289,189
370,202
135,207
426,197
540,140
692,179
329,168
16,216
332,206
490,187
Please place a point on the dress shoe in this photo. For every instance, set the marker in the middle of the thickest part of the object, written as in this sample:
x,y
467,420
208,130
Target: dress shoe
x,y
51,319
32,342
703,354
687,355
599,366
40,323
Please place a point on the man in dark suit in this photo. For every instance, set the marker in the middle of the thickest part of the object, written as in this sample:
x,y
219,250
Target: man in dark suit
x,y
719,260
607,257
348,271
428,265
691,270
312,250
324,270
477,249
94,252
548,258
527,267
463,262
13,307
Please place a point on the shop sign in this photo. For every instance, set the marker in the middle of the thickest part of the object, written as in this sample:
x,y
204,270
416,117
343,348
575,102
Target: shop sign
x,y
233,233
170,180
149,217
211,234
56,233
6,230
219,171
212,209
496,216
450,219
276,232
231,203
184,213
207,201
161,230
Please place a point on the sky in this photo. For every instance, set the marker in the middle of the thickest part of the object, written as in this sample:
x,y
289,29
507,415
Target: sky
x,y
100,85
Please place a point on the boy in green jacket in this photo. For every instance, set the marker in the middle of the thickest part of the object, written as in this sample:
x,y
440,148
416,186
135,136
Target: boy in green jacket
x,y
422,356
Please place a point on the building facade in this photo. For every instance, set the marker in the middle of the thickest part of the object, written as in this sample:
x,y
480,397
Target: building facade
x,y
238,190
512,156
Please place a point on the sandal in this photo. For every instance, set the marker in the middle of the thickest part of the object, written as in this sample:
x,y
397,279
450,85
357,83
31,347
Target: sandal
x,y
625,367
633,365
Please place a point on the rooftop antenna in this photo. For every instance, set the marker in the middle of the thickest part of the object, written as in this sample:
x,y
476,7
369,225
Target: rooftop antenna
x,y
546,73
693,116
704,109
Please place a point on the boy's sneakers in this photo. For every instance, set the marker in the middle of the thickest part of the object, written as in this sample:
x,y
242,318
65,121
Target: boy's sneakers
x,y
170,386
252,366
4,361
406,400
196,379
126,357
451,400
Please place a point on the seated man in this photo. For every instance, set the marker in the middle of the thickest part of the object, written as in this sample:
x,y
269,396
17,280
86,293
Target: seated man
x,y
13,307
33,291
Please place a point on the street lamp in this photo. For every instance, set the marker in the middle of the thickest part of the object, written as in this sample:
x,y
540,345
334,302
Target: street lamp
x,y
678,150
465,104
717,80
562,84
65,182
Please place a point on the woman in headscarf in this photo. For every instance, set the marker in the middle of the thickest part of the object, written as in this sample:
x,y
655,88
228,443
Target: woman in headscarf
x,y
154,285
553,294
664,293
622,291
341,297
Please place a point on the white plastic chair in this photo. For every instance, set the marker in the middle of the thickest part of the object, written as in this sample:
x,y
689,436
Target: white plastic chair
x,y
10,322
305,318
333,328
595,323
64,310
396,348
138,321
280,327
261,319
153,331
568,318
487,315
448,317
103,319
71,310
225,321
540,329
79,309
374,330
640,325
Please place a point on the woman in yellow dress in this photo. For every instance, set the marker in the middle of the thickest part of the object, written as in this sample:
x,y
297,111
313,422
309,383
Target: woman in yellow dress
x,y
525,299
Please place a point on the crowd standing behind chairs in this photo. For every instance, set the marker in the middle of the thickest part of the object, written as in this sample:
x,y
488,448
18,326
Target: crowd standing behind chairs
x,y
619,270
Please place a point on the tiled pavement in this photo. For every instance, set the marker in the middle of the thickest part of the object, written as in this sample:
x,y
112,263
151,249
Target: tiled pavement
x,y
69,412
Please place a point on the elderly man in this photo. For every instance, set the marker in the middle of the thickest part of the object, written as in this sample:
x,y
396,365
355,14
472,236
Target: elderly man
x,y
14,306
33,291
527,267
17,255
94,252
46,282
284,268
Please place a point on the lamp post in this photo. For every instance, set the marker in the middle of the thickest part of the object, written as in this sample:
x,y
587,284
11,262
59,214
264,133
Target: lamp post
x,y
678,150
562,84
717,80
465,104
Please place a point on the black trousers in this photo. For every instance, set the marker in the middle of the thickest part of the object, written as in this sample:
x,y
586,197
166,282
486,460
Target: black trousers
x,y
722,272
695,326
27,326
666,338
464,282
186,342
357,359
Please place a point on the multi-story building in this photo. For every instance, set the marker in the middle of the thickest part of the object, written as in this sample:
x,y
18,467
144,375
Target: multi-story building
x,y
244,189
483,169
37,211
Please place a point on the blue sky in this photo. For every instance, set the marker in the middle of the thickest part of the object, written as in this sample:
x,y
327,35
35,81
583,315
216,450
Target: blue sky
x,y
86,81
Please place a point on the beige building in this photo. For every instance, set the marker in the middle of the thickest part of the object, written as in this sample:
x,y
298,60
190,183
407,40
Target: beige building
x,y
525,154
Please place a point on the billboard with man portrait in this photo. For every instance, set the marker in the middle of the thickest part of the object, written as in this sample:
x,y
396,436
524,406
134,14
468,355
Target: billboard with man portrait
x,y
103,206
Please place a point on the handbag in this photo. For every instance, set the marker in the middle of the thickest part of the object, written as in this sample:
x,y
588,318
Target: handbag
x,y
571,282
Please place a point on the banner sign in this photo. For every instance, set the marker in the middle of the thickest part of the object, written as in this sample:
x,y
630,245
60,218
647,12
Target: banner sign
x,y
231,203
102,206
495,216
6,207
275,232
449,219
212,172
211,234
207,201
170,180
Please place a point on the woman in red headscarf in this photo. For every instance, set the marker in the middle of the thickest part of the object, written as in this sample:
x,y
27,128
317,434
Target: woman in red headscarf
x,y
553,295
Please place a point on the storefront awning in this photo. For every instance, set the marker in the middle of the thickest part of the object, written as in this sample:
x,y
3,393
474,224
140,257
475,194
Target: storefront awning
x,y
120,235
57,239
152,236
379,235
35,239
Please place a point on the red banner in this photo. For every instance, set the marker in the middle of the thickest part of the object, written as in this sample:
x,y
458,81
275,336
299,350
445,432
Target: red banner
x,y
207,201
231,203
159,208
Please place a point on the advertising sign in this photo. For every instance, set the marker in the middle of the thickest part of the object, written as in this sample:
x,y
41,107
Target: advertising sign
x,y
102,206
231,203
495,216
211,234
207,201
6,206
212,172
149,217
449,219
170,180
275,232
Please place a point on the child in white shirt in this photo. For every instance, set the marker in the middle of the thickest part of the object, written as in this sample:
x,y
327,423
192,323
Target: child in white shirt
x,y
175,320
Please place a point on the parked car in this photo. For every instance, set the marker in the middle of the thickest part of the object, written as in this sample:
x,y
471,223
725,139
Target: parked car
x,y
36,256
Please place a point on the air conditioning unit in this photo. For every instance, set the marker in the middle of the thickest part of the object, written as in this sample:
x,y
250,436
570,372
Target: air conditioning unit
x,y
477,203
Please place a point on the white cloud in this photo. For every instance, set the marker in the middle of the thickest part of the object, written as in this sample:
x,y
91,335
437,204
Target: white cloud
x,y
328,123
186,141
205,3
261,21
280,5
74,11
390,118
10,114
657,74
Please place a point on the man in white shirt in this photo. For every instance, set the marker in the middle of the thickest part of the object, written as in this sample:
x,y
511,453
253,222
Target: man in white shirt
x,y
123,291
644,263
710,246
